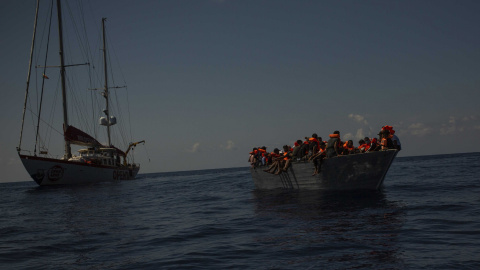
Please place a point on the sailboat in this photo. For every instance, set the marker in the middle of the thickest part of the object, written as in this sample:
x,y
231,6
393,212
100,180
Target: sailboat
x,y
94,161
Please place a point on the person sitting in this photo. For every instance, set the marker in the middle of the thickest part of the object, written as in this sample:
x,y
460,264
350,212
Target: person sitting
x,y
333,145
386,139
313,144
348,148
363,146
303,149
279,161
368,142
253,157
296,152
318,158
396,141
287,158
374,146
274,157
262,152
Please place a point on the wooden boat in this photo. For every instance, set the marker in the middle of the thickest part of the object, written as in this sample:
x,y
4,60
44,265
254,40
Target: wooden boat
x,y
350,172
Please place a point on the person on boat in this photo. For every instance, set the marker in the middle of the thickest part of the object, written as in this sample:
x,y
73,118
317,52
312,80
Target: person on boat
x,y
276,157
333,145
386,139
296,152
348,148
281,161
313,144
262,155
318,158
304,149
396,141
253,157
374,146
287,158
368,142
362,148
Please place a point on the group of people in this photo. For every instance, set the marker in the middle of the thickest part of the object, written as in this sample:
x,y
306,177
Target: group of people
x,y
316,150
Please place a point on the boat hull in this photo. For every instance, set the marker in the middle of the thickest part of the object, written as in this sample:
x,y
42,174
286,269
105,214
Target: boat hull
x,y
359,171
48,171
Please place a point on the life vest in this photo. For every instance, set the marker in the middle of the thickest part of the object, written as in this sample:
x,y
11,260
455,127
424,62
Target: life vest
x,y
363,146
286,157
345,146
306,146
334,135
312,141
274,155
383,143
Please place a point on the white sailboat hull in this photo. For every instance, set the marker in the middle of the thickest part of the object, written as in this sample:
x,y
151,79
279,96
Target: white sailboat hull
x,y
48,171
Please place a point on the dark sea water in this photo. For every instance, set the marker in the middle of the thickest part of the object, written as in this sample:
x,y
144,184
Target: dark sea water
x,y
427,216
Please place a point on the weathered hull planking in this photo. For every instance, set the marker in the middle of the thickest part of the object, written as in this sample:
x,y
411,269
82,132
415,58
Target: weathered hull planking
x,y
359,171
48,171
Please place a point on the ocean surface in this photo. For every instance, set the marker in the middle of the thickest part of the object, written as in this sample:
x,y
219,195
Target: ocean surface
x,y
427,216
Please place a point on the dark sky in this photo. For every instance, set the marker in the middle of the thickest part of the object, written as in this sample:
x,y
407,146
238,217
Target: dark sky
x,y
209,80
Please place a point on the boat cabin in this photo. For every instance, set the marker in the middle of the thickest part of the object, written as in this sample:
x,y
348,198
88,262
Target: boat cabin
x,y
99,156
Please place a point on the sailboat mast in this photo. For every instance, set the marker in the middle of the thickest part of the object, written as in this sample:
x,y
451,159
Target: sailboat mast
x,y
105,93
29,73
68,150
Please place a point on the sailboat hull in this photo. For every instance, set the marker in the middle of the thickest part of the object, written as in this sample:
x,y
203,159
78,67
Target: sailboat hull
x,y
49,171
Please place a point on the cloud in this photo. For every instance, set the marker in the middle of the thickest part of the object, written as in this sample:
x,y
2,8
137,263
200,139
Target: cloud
x,y
419,129
450,127
194,148
469,118
230,145
358,118
359,135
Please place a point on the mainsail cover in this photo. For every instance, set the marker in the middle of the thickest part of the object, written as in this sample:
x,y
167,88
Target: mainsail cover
x,y
78,137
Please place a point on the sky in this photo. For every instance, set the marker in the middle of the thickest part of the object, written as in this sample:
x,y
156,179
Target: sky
x,y
208,80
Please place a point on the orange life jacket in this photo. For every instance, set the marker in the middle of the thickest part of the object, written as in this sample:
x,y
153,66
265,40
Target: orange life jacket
x,y
364,146
274,155
345,145
334,135
383,143
312,140
286,157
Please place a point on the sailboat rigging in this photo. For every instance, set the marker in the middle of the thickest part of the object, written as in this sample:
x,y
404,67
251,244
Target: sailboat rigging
x,y
97,162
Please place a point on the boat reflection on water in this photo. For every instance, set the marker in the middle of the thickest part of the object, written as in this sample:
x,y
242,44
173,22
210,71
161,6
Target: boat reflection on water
x,y
338,229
